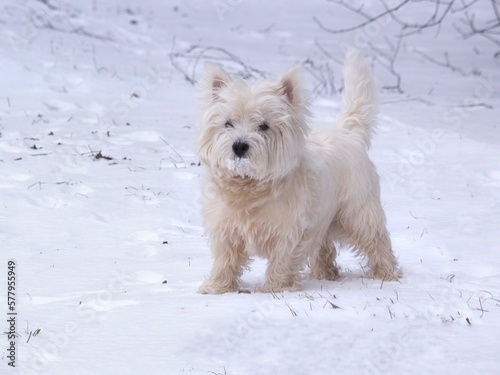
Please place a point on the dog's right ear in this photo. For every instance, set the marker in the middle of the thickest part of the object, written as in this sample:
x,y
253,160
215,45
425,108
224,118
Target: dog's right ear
x,y
213,80
291,87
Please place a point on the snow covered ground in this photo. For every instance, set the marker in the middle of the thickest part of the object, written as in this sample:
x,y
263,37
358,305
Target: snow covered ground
x,y
99,193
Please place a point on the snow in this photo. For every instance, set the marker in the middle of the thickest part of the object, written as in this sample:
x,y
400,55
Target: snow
x,y
100,188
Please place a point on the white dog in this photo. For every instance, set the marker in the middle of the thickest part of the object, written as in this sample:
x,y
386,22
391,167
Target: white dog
x,y
275,190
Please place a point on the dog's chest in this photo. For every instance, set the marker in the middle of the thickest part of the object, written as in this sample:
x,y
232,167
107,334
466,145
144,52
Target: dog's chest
x,y
263,219
264,229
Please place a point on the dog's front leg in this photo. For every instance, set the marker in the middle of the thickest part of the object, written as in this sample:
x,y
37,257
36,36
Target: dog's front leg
x,y
283,270
230,260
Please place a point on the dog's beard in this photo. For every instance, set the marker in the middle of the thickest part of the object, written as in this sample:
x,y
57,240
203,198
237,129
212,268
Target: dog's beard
x,y
241,167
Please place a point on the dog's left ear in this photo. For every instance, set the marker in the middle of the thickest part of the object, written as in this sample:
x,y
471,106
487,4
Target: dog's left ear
x,y
291,88
213,80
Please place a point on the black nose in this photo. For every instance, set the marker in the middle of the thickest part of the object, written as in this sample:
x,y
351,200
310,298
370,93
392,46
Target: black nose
x,y
240,148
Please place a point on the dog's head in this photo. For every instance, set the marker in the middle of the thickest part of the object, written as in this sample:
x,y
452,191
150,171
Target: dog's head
x,y
251,130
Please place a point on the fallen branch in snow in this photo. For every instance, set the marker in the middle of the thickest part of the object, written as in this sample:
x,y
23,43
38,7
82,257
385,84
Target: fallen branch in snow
x,y
173,60
40,183
218,373
480,300
60,18
188,61
408,99
481,307
96,155
484,105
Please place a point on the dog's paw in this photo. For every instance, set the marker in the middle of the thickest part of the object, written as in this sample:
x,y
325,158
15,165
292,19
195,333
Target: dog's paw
x,y
277,287
392,274
331,273
209,287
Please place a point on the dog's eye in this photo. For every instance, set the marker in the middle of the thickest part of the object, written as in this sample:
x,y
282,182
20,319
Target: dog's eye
x,y
229,124
263,127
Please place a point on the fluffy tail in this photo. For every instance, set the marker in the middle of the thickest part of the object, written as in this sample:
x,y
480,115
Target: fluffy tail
x,y
360,98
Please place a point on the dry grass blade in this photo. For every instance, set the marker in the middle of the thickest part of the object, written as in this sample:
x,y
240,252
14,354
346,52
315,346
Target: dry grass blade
x,y
334,306
292,310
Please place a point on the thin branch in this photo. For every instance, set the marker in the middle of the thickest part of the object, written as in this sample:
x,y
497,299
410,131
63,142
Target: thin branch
x,y
363,24
465,6
495,9
488,32
433,20
481,306
390,62
48,4
196,53
173,55
489,29
445,64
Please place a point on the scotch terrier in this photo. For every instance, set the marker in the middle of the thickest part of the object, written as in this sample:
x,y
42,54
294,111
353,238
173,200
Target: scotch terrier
x,y
275,189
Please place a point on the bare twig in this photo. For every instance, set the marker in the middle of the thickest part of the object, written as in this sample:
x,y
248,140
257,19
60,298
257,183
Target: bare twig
x,y
465,6
474,105
388,60
481,307
446,63
490,27
434,20
362,24
194,55
474,21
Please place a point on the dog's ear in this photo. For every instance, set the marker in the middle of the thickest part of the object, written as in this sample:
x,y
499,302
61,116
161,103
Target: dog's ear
x,y
291,87
213,80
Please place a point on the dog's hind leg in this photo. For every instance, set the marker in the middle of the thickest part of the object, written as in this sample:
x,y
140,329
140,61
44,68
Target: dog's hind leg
x,y
365,231
322,262
381,259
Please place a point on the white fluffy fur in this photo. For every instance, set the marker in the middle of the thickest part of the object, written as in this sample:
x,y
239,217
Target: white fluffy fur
x,y
294,194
